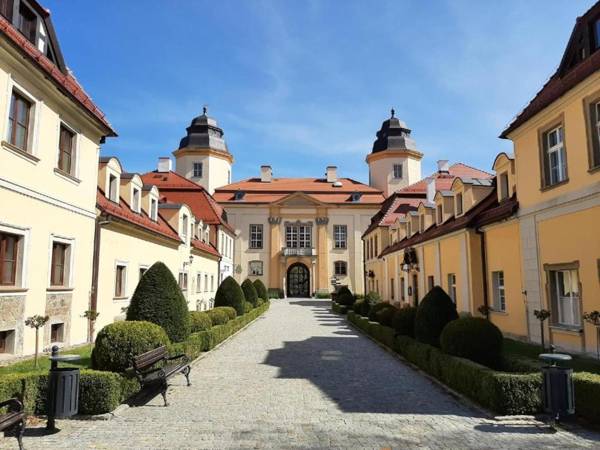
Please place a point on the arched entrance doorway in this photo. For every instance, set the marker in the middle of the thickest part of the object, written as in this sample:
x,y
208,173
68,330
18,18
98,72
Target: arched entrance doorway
x,y
298,281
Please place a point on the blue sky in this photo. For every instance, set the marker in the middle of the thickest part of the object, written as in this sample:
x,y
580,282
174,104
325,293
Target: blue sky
x,y
304,84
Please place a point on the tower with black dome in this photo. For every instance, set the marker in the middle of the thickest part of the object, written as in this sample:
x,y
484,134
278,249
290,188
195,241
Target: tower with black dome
x,y
394,161
203,155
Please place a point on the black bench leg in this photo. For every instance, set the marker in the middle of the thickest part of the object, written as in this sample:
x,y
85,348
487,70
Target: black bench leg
x,y
163,392
20,431
186,372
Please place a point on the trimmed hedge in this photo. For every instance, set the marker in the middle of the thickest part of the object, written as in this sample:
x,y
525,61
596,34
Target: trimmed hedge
x,y
261,289
230,293
434,312
473,338
587,396
228,310
344,297
385,316
404,321
118,342
275,293
248,307
250,293
221,314
323,295
339,309
200,321
158,299
361,307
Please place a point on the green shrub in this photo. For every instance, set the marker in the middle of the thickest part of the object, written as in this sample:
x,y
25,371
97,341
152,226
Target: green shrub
x,y
373,298
434,312
275,293
230,294
344,297
587,395
117,343
158,299
218,316
473,338
250,293
361,307
404,321
323,295
385,316
102,392
376,308
339,309
200,321
228,310
248,307
261,290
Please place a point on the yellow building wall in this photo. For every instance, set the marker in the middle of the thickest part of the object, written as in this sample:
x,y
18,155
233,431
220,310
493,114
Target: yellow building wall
x,y
429,264
503,253
450,257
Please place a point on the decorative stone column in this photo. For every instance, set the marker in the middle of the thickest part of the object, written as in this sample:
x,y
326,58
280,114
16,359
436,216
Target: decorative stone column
x,y
274,250
321,279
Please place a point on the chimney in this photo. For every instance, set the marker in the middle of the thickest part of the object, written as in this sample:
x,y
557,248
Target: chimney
x,y
430,189
331,173
266,174
165,164
443,166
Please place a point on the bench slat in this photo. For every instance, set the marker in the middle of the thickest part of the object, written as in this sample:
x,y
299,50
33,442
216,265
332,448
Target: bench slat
x,y
149,358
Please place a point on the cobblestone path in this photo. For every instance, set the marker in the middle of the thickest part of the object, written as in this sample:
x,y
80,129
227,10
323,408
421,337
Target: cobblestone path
x,y
300,377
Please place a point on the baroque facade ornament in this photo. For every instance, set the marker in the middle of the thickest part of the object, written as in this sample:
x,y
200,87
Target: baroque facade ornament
x,y
322,220
274,220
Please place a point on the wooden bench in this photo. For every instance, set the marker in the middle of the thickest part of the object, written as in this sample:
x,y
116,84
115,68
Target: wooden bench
x,y
14,418
150,373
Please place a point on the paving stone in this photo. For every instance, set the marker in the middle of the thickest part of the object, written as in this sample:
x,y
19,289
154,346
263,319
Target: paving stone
x,y
301,378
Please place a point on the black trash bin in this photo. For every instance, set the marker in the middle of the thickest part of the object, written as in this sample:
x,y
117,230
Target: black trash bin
x,y
558,393
63,389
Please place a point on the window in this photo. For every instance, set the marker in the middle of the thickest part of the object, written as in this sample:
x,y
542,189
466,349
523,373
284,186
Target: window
x,y
563,286
153,209
392,288
183,281
256,236
135,200
595,129
113,188
597,34
340,268
397,171
198,283
212,283
409,228
197,170
376,248
184,227
57,332
340,235
142,271
498,287
26,22
430,282
9,256
554,157
503,186
402,289
18,121
440,214
59,264
7,339
65,150
422,222
120,280
255,268
459,204
298,236
205,283
416,289
452,286
6,9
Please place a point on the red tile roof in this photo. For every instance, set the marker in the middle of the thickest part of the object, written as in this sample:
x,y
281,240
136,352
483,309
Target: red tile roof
x,y
124,212
319,189
203,246
178,189
443,181
66,82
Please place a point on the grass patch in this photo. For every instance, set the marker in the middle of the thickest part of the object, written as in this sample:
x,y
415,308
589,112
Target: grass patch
x,y
27,365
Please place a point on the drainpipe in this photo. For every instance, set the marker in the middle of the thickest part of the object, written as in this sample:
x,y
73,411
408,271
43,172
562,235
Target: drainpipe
x,y
484,267
93,307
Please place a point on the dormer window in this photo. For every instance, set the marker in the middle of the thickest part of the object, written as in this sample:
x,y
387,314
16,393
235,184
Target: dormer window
x,y
459,204
409,228
184,227
113,188
239,195
154,209
397,171
440,214
503,186
356,197
422,222
135,200
26,22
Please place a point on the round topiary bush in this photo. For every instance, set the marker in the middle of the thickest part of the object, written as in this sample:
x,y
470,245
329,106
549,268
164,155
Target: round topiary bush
x,y
385,315
200,321
230,294
250,292
344,297
248,307
158,299
375,308
473,338
218,316
404,321
231,312
360,306
261,289
434,312
117,343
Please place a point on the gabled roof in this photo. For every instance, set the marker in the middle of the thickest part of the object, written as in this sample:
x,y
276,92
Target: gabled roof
x,y
205,247
123,211
178,189
66,82
580,60
443,180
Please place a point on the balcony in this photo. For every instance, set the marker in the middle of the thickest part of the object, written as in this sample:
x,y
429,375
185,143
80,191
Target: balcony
x,y
295,251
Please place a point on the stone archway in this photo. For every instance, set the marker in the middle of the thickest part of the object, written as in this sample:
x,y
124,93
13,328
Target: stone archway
x,y
298,280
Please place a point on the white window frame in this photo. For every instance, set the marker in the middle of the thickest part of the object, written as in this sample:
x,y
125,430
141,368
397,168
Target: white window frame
x,y
499,290
75,158
120,263
136,208
460,201
451,277
198,282
21,279
395,172
439,211
194,164
342,263
205,282
185,221
559,150
256,236
33,138
154,208
110,172
573,318
340,236
183,274
145,267
70,269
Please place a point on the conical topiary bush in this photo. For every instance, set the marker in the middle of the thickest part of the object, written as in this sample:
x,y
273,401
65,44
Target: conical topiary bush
x,y
158,299
434,312
261,289
230,294
250,292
